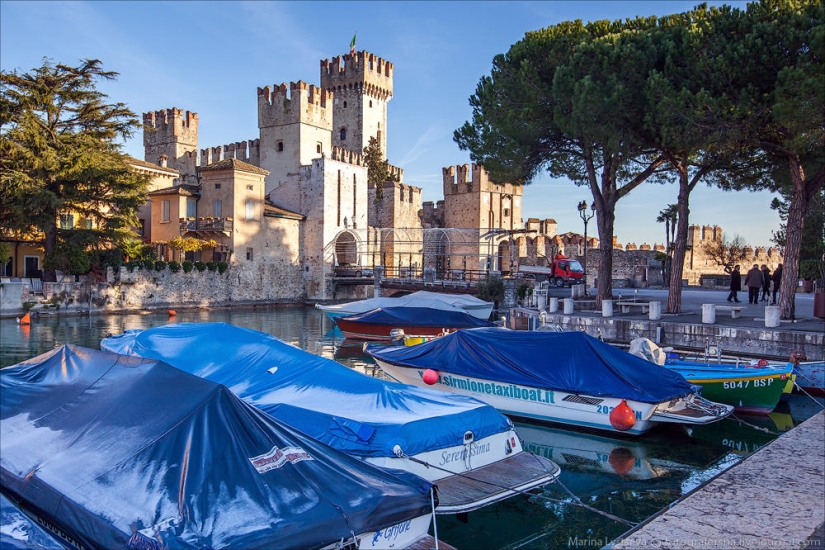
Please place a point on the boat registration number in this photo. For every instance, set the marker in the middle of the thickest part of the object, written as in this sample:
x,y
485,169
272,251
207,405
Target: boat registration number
x,y
742,384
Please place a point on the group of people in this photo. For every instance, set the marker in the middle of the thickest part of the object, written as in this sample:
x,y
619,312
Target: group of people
x,y
756,280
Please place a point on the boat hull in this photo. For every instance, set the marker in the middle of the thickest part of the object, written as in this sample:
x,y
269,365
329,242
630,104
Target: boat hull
x,y
382,333
749,389
810,376
551,405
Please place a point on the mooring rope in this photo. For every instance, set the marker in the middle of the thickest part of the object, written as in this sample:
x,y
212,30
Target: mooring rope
x,y
576,500
755,427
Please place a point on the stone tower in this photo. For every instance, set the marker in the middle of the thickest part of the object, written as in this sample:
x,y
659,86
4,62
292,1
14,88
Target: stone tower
x,y
362,87
173,134
295,127
472,200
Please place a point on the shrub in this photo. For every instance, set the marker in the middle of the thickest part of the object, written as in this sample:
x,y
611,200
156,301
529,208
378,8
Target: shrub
x,y
160,265
222,267
212,266
133,264
149,264
174,266
200,266
187,266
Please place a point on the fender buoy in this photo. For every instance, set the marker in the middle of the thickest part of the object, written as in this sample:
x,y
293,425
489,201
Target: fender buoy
x,y
172,313
622,460
429,377
762,363
26,319
622,417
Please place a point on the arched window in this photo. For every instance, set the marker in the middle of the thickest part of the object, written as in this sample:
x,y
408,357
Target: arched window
x,y
343,134
345,105
280,146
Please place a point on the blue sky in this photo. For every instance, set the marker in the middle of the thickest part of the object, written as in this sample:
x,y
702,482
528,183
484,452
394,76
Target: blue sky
x,y
210,57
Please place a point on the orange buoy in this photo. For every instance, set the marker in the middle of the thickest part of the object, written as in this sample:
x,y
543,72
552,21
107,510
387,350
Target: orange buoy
x,y
622,460
26,319
172,313
622,417
429,377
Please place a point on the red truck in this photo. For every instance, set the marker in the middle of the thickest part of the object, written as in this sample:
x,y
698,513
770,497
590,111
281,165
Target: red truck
x,y
562,271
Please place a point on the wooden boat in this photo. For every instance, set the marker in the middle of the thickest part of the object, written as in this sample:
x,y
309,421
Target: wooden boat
x,y
810,376
423,298
107,451
394,323
567,377
750,386
471,450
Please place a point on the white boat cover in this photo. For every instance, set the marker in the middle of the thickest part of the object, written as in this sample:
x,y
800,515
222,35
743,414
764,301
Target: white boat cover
x,y
423,298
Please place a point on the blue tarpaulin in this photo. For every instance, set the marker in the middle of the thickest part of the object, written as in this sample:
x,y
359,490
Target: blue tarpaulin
x,y
418,317
121,452
563,361
355,413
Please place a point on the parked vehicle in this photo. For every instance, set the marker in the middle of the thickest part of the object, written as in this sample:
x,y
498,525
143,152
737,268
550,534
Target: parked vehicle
x,y
353,270
565,377
561,271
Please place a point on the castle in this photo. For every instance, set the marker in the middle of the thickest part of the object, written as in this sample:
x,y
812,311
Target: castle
x,y
288,206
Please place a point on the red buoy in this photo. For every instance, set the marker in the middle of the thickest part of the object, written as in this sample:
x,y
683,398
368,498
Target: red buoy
x,y
762,363
430,377
622,417
172,313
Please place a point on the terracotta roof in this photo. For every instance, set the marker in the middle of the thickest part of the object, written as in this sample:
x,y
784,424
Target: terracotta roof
x,y
273,211
183,189
234,164
144,164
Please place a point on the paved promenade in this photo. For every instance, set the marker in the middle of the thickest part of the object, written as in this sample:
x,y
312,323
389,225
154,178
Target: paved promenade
x,y
775,498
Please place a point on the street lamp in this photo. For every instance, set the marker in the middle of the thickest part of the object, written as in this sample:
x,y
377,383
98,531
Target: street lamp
x,y
582,207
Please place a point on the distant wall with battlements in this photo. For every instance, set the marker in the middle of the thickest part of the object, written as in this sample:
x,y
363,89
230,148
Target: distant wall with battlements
x,y
174,133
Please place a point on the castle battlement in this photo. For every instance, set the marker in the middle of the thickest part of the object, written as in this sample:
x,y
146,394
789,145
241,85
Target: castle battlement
x,y
347,156
246,151
363,72
460,179
300,103
168,126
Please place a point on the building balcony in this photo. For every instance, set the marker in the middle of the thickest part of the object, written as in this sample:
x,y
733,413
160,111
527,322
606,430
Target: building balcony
x,y
206,226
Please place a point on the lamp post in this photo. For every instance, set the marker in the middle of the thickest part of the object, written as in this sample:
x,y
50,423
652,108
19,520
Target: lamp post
x,y
582,207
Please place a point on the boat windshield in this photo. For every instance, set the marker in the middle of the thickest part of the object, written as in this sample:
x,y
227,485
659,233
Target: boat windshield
x,y
576,267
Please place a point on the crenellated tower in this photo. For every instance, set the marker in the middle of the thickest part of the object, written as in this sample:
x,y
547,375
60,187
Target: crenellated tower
x,y
174,133
472,200
295,125
362,86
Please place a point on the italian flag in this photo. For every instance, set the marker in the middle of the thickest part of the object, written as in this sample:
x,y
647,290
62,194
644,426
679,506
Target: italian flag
x,y
352,45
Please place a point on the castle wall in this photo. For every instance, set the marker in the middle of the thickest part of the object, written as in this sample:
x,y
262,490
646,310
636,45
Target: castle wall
x,y
399,207
472,200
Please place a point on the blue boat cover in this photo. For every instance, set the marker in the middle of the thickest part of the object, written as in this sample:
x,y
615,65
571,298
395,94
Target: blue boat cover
x,y
114,452
563,361
418,317
352,412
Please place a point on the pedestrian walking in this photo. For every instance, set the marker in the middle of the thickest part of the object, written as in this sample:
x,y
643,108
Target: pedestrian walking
x,y
754,280
777,282
735,284
766,284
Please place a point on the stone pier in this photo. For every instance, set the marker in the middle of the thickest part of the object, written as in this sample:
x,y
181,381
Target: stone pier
x,y
775,498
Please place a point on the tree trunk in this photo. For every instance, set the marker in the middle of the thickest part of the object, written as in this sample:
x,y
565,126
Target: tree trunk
x,y
49,246
674,295
803,191
604,220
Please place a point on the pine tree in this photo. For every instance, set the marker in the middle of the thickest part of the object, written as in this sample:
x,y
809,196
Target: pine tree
x,y
59,156
378,168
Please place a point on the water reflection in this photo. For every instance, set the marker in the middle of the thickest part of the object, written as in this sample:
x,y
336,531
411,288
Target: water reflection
x,y
632,478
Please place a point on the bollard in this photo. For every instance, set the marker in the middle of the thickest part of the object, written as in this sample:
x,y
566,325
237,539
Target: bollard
x,y
568,306
607,308
541,299
772,316
708,314
554,305
654,310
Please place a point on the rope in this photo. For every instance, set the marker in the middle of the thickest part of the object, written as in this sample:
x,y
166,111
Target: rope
x,y
755,427
811,397
576,500
435,524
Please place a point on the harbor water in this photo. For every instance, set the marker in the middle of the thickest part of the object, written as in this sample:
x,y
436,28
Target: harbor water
x,y
624,478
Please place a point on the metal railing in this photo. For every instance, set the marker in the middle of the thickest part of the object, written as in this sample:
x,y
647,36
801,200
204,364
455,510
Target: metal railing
x,y
206,224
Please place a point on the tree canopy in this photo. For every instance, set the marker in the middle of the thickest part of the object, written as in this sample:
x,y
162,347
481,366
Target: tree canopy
x,y
719,95
60,157
378,168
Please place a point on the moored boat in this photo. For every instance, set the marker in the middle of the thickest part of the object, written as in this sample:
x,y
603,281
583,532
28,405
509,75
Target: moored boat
x,y
423,298
467,447
107,451
566,377
810,376
752,387
394,323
